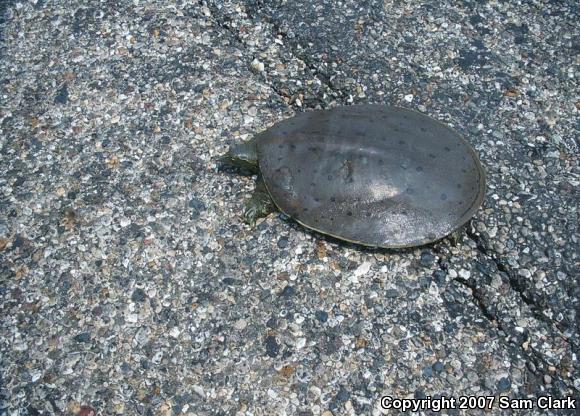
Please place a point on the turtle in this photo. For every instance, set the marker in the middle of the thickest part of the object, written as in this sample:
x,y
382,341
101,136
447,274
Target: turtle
x,y
369,174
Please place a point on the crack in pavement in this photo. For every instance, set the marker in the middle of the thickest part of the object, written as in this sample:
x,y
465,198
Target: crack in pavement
x,y
480,301
324,79
224,22
539,363
516,284
536,362
535,357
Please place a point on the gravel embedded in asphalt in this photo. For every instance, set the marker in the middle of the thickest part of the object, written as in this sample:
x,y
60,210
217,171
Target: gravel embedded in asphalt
x,y
129,283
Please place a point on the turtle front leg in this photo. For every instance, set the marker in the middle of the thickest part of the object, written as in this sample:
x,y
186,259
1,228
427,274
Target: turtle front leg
x,y
259,205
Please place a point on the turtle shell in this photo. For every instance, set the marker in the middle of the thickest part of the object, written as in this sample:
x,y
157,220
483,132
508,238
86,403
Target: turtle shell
x,y
373,175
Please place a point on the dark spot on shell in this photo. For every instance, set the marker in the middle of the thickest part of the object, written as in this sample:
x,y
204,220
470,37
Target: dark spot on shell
x,y
447,149
329,177
299,170
410,191
432,156
305,209
279,159
396,129
401,142
423,129
404,212
312,184
419,169
381,162
317,199
293,146
443,197
280,146
349,213
458,186
331,218
332,199
315,171
284,132
368,214
464,170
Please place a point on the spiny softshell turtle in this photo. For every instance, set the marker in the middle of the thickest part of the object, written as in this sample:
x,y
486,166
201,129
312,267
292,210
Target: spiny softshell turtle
x,y
368,174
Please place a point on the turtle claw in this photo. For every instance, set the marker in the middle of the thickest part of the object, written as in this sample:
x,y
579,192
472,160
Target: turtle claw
x,y
259,206
250,215
256,208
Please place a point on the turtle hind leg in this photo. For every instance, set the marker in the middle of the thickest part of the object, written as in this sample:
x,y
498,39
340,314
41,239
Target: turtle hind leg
x,y
259,205
456,237
242,157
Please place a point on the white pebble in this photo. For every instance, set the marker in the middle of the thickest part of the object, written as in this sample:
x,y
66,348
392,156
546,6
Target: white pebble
x,y
464,273
257,66
240,324
198,390
362,269
300,343
35,375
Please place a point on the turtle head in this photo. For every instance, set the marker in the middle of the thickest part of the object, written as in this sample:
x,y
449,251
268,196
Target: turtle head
x,y
242,157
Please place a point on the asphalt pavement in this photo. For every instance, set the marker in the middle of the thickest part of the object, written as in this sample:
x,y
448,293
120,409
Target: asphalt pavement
x,y
129,284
